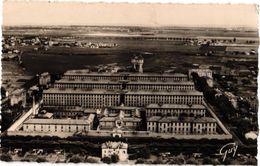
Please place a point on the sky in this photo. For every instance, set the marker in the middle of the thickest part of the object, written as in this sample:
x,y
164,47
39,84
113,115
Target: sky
x,y
79,13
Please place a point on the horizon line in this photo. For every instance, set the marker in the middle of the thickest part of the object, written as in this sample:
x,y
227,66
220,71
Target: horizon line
x,y
143,26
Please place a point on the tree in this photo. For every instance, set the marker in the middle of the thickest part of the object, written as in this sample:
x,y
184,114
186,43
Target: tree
x,y
208,160
251,161
40,160
75,159
192,161
227,161
140,161
114,158
91,160
209,94
158,161
145,153
3,92
6,157
200,82
177,160
107,160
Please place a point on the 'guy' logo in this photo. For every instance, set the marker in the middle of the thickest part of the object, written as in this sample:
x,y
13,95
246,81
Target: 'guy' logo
x,y
230,148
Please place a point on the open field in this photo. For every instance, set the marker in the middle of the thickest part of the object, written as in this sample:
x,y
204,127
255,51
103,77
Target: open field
x,y
160,54
157,31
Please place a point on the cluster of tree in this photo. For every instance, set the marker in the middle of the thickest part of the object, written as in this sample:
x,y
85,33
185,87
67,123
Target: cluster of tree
x,y
40,160
143,153
5,157
112,159
3,93
75,159
225,107
9,115
210,161
222,102
91,160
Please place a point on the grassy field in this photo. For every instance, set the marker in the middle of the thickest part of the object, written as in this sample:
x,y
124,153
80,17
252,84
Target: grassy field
x,y
163,54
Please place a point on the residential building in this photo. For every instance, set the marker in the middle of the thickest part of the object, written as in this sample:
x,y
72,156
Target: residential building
x,y
58,125
182,125
115,148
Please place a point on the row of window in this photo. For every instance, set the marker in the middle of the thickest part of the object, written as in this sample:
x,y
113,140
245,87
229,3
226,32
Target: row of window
x,y
182,129
133,78
82,85
182,124
90,77
174,112
119,86
49,128
160,87
90,101
131,100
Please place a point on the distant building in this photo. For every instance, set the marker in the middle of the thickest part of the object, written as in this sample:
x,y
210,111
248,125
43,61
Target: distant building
x,y
45,79
226,71
19,95
138,62
117,148
232,98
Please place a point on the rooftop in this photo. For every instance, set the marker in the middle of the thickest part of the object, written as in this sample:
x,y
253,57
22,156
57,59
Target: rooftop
x,y
181,106
79,91
114,145
46,115
85,81
68,121
123,108
88,81
45,74
138,57
161,82
125,119
103,91
184,119
18,91
86,73
175,93
154,118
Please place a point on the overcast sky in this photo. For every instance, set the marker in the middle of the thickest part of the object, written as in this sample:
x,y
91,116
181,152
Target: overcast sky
x,y
68,13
